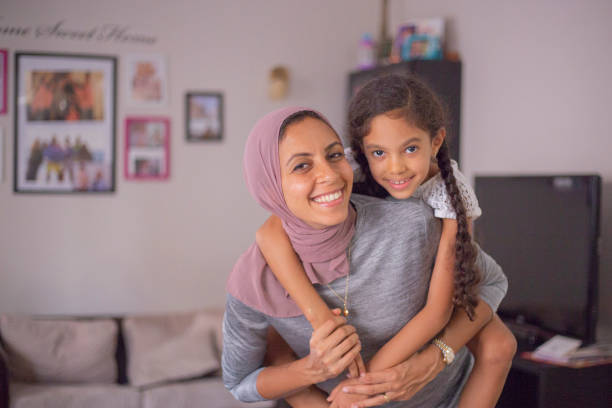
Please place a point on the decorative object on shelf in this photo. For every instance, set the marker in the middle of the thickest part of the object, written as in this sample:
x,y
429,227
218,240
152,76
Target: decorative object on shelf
x,y
146,80
147,148
419,40
3,81
64,123
365,53
385,43
204,116
278,85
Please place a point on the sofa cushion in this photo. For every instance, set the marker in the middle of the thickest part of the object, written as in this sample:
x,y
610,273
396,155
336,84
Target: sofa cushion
x,y
170,347
208,392
73,396
43,350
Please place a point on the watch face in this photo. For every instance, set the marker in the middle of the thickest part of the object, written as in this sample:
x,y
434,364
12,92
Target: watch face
x,y
449,356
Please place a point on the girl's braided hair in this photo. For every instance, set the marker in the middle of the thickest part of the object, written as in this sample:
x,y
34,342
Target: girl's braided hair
x,y
407,97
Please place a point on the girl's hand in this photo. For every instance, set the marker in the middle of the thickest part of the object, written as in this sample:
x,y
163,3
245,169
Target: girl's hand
x,y
357,367
342,399
333,347
398,383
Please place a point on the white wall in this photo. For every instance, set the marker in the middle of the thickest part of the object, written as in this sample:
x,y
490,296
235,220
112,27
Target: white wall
x,y
160,246
536,94
535,100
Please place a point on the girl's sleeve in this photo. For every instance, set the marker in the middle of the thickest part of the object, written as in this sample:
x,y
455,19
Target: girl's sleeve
x,y
244,348
435,195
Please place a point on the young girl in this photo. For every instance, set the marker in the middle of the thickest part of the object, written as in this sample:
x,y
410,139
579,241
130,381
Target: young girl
x,y
397,134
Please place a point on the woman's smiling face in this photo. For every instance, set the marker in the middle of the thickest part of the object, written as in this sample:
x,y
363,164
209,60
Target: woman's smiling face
x,y
316,177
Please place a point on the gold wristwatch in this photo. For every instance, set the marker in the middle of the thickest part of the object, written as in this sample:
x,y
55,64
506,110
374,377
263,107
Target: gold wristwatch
x,y
448,355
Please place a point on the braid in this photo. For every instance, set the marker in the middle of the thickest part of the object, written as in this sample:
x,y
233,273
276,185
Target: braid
x,y
467,275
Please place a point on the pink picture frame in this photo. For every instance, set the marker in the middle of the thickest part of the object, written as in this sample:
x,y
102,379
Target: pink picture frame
x,y
4,81
147,148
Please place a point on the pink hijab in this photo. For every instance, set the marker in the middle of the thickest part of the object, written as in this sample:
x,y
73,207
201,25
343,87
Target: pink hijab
x,y
323,252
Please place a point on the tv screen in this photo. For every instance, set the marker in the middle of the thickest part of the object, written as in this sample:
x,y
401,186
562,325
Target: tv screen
x,y
543,231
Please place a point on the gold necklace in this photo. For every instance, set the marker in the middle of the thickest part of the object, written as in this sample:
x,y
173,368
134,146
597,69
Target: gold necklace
x,y
344,301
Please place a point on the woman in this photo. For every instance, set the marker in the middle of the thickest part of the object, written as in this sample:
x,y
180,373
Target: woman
x,y
295,167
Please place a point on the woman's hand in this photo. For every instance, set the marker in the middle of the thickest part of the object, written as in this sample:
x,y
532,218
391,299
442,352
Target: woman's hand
x,y
333,347
397,383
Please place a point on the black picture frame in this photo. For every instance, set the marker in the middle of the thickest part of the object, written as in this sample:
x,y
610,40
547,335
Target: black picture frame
x,y
204,116
65,123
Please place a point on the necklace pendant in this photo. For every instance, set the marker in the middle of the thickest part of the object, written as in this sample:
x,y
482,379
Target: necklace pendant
x,y
345,312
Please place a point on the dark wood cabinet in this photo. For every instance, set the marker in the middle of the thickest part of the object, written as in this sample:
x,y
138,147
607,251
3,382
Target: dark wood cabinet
x,y
444,77
536,385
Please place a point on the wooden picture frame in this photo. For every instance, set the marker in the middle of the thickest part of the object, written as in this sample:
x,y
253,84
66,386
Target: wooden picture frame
x,y
204,116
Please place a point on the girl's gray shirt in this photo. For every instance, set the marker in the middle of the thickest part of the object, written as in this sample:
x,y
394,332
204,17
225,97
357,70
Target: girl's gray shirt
x,y
391,259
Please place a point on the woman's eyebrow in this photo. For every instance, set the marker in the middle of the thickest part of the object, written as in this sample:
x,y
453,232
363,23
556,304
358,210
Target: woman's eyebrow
x,y
332,144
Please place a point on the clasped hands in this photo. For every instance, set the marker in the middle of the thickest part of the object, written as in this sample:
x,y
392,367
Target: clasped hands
x,y
335,346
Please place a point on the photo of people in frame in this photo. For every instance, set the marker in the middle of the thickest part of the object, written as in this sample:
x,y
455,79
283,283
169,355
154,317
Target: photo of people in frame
x,y
146,80
147,148
64,96
67,163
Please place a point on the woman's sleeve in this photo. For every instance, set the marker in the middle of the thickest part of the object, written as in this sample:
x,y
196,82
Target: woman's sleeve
x,y
494,284
244,348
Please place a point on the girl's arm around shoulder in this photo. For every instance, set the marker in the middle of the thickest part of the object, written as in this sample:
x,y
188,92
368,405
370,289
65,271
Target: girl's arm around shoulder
x,y
494,284
287,267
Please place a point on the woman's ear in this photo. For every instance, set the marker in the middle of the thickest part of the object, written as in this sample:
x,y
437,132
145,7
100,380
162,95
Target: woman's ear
x,y
437,141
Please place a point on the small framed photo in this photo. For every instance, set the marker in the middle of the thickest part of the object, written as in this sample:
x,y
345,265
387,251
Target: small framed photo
x,y
146,78
64,123
204,116
147,148
3,81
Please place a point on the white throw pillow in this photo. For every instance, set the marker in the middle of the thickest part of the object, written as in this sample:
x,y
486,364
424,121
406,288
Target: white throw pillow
x,y
170,347
45,350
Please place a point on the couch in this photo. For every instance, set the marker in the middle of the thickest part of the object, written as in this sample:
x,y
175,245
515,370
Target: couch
x,y
145,361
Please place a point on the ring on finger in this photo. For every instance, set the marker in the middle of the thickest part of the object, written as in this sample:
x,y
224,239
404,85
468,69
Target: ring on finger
x,y
386,397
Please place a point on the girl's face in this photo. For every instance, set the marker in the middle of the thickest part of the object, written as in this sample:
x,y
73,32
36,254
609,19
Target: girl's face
x,y
399,154
316,178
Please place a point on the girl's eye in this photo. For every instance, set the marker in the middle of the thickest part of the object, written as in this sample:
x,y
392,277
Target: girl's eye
x,y
411,149
336,155
377,153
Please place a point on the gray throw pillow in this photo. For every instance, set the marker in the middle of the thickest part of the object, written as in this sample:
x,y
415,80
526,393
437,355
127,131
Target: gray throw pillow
x,y
170,347
45,350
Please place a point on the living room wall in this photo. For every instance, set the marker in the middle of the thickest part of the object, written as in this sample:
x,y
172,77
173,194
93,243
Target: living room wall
x,y
535,100
161,246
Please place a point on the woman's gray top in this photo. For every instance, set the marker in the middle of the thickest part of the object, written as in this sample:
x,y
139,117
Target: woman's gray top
x,y
392,256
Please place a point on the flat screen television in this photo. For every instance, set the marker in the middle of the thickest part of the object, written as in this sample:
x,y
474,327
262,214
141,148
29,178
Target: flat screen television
x,y
544,233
